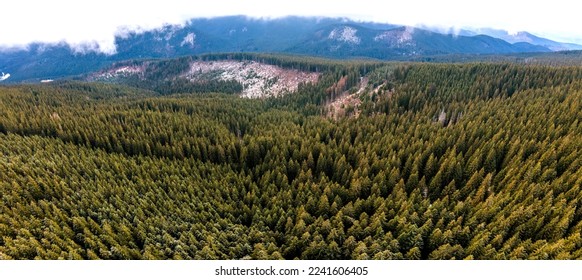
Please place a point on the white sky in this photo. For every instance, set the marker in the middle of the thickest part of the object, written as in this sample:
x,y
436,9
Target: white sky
x,y
91,21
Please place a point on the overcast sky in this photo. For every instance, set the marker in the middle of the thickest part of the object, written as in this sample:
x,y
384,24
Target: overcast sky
x,y
77,22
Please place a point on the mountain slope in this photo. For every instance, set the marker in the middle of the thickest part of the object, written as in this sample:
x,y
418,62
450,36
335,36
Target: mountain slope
x,y
44,61
223,34
535,40
522,37
399,43
327,37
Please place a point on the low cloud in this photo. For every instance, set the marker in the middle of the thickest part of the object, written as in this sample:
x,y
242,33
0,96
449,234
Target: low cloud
x,y
87,26
4,76
92,25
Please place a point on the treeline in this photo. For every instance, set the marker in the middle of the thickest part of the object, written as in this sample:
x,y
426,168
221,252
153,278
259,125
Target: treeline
x,y
479,161
556,59
183,85
297,62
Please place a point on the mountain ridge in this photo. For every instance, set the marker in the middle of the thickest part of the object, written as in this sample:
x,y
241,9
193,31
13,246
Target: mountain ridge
x,y
515,37
313,36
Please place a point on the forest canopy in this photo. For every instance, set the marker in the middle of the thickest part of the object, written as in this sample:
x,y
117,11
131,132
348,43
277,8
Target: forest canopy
x,y
447,161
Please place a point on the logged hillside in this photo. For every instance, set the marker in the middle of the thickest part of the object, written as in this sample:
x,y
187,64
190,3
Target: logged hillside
x,y
251,78
475,161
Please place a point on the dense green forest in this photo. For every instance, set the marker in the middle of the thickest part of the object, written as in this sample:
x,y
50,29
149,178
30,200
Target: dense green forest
x,y
443,161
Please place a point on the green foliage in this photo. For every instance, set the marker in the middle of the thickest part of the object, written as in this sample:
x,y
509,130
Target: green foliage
x,y
98,171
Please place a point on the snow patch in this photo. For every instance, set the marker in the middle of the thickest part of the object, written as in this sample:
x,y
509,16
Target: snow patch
x,y
521,37
127,70
4,76
166,33
346,34
397,37
259,80
512,32
116,72
189,40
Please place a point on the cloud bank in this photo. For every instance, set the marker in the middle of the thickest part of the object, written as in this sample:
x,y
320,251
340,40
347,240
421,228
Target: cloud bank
x,y
93,25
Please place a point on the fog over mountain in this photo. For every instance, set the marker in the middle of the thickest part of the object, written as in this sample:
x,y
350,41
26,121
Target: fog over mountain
x,y
94,25
332,37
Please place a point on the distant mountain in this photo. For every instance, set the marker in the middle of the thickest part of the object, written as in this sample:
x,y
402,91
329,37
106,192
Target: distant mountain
x,y
327,37
526,37
521,37
49,61
353,40
222,34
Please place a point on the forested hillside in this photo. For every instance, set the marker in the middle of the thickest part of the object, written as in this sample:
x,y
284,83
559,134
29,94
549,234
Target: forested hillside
x,y
448,161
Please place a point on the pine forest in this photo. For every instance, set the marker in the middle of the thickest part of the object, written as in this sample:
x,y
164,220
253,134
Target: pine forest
x,y
429,161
